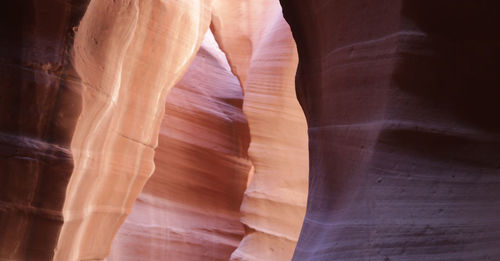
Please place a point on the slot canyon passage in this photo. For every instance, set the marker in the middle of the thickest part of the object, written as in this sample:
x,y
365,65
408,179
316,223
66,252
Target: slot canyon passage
x,y
172,130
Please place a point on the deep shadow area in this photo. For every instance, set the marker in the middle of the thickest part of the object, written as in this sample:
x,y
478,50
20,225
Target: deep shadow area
x,y
458,72
40,103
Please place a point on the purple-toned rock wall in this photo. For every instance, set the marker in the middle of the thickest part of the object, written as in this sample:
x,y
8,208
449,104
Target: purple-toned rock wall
x,y
402,100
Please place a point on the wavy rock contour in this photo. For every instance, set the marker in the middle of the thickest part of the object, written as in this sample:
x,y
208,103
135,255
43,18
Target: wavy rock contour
x,y
189,208
401,99
260,48
39,107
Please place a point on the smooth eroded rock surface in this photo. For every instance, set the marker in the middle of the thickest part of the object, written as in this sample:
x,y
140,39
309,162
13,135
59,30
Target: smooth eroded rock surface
x,y
262,53
274,202
128,53
189,208
83,89
401,99
85,84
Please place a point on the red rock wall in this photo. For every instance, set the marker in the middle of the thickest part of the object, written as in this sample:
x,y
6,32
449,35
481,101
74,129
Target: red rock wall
x,y
189,208
401,99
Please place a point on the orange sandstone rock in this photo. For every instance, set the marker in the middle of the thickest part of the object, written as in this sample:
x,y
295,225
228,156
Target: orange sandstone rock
x,y
189,208
79,134
128,55
262,53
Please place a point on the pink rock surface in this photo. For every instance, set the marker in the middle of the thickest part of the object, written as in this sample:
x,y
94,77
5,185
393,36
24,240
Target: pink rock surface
x,y
128,55
85,137
274,203
189,209
401,101
262,53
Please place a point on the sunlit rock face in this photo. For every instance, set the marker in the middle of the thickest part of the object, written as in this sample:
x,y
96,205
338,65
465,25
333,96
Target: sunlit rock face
x,y
274,203
128,55
260,48
85,84
189,209
173,217
82,98
401,99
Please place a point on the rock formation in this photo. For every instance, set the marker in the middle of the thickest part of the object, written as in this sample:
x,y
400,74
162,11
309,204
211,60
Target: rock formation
x,y
274,203
84,139
39,106
189,208
128,55
262,53
401,100
81,115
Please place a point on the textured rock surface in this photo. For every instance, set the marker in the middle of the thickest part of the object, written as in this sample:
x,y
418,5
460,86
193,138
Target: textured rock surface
x,y
189,208
262,53
39,107
88,168
78,136
128,54
401,99
400,96
274,203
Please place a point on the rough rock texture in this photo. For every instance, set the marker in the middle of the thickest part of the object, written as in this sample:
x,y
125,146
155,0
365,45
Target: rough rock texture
x,y
402,102
260,48
189,208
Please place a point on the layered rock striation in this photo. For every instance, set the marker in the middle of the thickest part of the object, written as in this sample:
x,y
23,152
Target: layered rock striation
x,y
39,107
189,208
82,100
128,55
261,51
274,202
401,99
79,135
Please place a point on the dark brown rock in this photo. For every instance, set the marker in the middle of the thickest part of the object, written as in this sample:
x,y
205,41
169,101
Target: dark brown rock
x,y
401,99
39,105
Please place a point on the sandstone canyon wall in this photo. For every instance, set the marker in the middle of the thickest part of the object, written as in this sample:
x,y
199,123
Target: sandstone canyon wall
x,y
261,51
82,102
39,106
189,208
402,103
260,48
78,137
128,54
401,99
